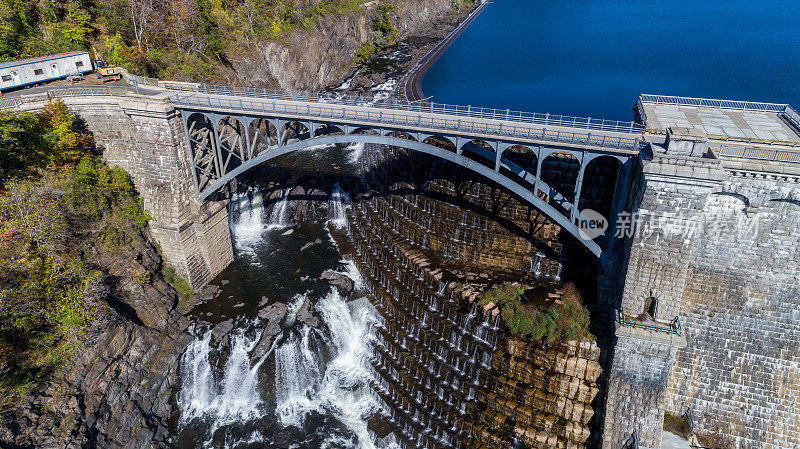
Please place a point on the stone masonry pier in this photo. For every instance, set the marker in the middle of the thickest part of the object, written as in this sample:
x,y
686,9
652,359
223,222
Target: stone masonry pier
x,y
144,135
717,246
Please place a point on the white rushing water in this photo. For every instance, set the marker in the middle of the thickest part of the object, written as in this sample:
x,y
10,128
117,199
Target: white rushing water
x,y
225,398
341,388
247,220
324,369
278,217
354,153
337,205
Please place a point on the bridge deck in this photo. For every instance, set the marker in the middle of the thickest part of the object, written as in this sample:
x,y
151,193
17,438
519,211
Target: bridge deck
x,y
418,120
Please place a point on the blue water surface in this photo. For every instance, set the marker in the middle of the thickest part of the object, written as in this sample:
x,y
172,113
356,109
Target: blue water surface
x,y
594,57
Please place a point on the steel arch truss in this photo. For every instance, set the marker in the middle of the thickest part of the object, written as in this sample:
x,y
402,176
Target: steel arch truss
x,y
224,146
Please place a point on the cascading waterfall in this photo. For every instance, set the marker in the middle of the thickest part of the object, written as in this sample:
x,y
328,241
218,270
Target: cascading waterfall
x,y
337,204
247,222
342,390
324,369
278,217
230,397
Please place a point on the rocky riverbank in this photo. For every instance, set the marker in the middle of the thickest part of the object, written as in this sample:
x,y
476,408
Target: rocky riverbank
x,y
116,391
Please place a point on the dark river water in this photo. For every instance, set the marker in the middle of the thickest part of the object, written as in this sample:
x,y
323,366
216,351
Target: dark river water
x,y
594,57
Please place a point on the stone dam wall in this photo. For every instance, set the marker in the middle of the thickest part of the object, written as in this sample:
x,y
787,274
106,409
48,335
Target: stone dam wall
x,y
447,373
719,248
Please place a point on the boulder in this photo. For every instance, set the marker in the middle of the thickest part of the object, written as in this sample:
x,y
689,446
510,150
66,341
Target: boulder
x,y
220,332
273,315
341,281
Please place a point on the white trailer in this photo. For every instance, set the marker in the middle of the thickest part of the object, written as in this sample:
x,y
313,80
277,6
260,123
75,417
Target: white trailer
x,y
26,72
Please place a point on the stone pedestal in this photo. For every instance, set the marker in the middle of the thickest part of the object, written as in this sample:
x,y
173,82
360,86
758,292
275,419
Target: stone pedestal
x,y
637,386
686,141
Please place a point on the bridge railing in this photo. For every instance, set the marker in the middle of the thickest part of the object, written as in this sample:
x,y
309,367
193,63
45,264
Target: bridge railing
x,y
383,116
674,326
762,154
437,108
88,91
714,103
138,80
9,103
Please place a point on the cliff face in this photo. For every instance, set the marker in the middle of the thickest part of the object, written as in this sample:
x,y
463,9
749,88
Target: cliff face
x,y
314,60
116,390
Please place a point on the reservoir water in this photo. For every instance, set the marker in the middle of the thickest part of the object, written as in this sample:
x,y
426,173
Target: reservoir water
x,y
594,57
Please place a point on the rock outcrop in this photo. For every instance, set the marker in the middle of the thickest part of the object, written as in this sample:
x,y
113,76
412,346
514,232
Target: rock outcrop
x,y
311,60
116,390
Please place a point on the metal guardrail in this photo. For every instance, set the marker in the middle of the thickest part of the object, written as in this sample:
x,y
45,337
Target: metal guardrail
x,y
674,327
714,103
762,154
436,108
381,115
10,103
180,86
88,91
138,80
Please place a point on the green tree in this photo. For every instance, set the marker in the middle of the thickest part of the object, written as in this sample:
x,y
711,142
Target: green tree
x,y
118,52
22,144
17,25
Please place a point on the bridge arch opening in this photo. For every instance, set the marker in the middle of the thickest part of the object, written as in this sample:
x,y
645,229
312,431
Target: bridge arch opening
x,y
560,171
480,151
263,135
599,182
361,131
293,131
524,158
328,130
401,135
231,142
441,142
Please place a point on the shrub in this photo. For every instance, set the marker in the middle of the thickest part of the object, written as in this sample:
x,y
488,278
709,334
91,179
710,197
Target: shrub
x,y
33,211
100,193
564,322
365,52
179,284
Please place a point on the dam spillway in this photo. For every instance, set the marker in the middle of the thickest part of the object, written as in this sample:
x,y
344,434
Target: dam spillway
x,y
449,376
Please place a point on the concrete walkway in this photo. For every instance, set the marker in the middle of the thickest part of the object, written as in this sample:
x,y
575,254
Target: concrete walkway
x,y
671,441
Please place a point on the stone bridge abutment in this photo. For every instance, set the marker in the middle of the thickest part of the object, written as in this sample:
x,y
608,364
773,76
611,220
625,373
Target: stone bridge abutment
x,y
144,135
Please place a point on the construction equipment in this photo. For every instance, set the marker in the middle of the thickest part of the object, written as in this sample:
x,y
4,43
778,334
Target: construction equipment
x,y
104,71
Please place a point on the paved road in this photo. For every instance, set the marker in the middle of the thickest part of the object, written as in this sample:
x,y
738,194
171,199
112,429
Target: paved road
x,y
90,81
